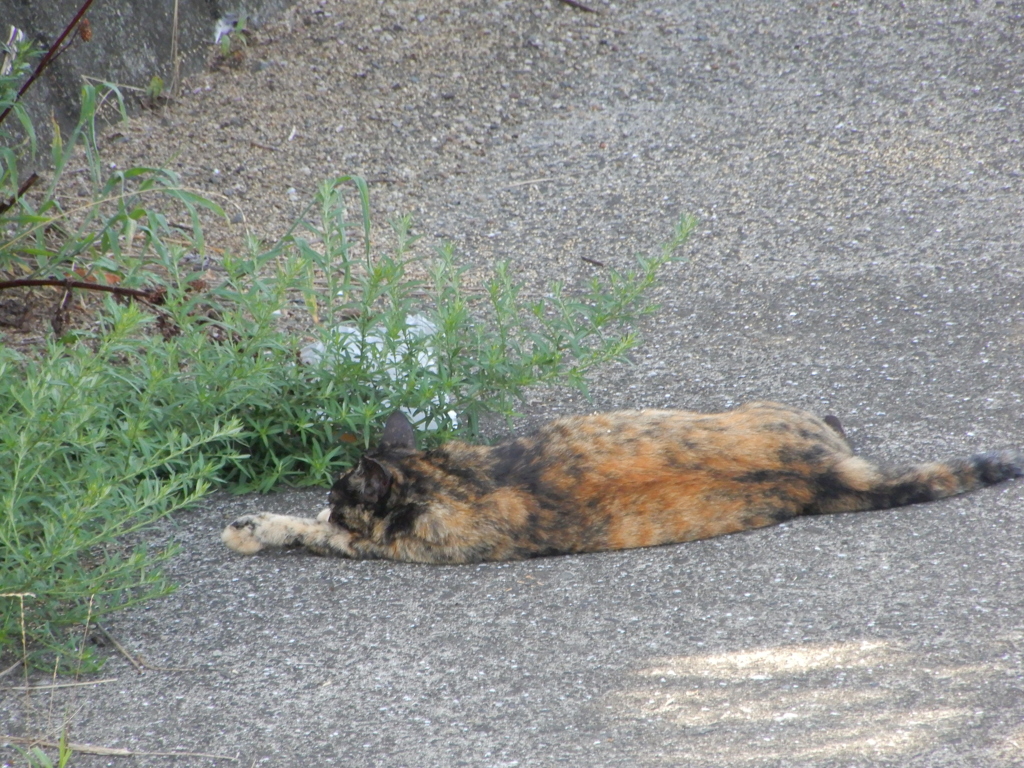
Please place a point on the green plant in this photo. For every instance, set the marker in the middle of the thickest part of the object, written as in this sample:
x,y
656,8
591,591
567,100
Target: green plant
x,y
84,470
177,384
155,89
81,472
233,36
36,758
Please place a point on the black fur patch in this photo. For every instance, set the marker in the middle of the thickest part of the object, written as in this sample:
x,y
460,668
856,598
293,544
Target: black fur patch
x,y
401,520
770,476
902,494
521,464
835,424
996,466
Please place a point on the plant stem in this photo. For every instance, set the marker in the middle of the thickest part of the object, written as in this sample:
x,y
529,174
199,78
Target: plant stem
x,y
154,296
26,185
51,54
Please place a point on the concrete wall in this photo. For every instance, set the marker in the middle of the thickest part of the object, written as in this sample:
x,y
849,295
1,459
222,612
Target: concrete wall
x,y
131,42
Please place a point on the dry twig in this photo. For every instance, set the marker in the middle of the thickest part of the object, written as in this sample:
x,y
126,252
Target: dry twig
x,y
24,647
154,296
92,749
52,686
139,663
112,639
175,57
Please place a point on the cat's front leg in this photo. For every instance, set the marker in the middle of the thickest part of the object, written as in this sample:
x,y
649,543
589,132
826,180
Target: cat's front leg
x,y
251,533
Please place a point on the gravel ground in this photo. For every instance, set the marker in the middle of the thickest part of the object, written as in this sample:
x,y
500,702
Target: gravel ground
x,y
858,174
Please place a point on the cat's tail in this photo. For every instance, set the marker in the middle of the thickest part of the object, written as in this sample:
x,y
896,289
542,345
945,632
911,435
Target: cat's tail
x,y
855,485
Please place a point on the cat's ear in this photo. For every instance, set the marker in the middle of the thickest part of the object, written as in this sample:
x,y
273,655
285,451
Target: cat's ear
x,y
836,425
398,433
374,481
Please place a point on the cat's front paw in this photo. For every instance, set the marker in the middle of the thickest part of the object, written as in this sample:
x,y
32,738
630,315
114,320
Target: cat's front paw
x,y
242,536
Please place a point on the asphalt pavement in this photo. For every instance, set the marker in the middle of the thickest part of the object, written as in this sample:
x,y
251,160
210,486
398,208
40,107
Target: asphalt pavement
x,y
857,171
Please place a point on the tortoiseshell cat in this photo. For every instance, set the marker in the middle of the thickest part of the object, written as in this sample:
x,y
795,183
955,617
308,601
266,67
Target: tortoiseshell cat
x,y
608,481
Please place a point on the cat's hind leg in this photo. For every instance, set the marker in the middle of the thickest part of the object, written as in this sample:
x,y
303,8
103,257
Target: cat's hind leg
x,y
251,533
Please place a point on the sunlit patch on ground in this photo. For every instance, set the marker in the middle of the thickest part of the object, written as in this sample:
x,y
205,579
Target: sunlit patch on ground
x,y
815,702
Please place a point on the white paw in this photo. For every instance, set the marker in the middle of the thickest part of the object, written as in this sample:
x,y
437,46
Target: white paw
x,y
241,535
324,515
